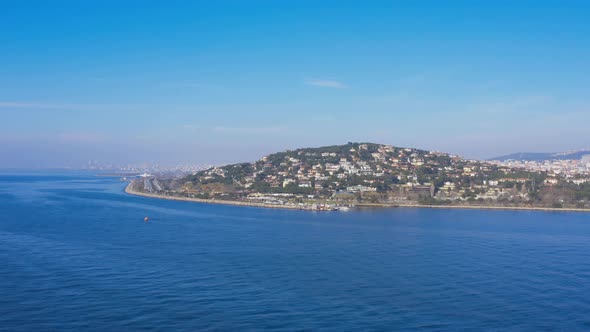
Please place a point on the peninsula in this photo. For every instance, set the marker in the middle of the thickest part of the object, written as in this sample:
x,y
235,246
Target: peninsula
x,y
374,175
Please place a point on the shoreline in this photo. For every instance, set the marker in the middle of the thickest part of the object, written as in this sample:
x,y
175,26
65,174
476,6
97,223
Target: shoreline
x,y
476,207
130,191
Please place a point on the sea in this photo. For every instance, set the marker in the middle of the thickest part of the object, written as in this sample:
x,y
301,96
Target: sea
x,y
77,255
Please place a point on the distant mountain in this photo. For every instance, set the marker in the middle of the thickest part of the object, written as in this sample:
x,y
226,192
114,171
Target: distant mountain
x,y
542,156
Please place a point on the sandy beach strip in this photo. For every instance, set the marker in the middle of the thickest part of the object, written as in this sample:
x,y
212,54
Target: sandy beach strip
x,y
130,191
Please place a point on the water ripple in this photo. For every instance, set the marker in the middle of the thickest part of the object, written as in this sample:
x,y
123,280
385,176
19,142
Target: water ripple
x,y
75,255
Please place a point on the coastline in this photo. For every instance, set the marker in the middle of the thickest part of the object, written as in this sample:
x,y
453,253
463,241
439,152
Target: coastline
x,y
476,207
130,191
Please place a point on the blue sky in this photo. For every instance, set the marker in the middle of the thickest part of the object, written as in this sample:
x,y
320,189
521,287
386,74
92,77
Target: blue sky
x,y
224,81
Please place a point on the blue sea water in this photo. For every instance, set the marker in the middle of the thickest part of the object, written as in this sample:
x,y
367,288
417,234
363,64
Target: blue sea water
x,y
76,255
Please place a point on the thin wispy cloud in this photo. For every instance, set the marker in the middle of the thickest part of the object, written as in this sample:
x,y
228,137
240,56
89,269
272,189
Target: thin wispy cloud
x,y
251,130
238,130
63,137
30,105
326,83
537,104
189,126
80,137
27,104
191,85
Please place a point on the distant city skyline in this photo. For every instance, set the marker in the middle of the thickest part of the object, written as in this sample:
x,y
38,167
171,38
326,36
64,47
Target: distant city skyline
x,y
197,82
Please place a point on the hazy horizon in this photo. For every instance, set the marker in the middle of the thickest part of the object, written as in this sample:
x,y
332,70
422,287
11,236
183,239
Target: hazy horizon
x,y
214,83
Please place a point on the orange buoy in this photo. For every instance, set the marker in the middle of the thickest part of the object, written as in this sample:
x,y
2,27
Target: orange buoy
x,y
146,219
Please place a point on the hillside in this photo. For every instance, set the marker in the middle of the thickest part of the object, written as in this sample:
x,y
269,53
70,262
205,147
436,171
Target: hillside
x,y
363,173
